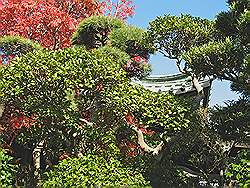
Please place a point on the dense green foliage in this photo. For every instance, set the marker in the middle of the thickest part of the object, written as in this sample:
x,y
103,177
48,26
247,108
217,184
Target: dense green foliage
x,y
239,168
93,32
101,31
79,104
71,71
12,46
235,22
131,40
228,57
173,35
54,90
232,121
18,44
212,58
219,49
7,169
93,170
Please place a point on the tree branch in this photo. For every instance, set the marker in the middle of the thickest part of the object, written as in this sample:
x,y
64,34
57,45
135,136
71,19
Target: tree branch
x,y
85,121
195,80
178,64
37,160
197,85
143,144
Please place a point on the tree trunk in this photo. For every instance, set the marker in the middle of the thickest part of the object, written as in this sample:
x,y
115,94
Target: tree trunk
x,y
37,160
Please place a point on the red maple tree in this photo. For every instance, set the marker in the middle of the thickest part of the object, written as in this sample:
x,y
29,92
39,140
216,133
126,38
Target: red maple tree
x,y
120,9
52,22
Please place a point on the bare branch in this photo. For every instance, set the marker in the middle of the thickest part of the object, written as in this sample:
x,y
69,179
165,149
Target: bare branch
x,y
143,144
86,121
197,85
178,64
37,159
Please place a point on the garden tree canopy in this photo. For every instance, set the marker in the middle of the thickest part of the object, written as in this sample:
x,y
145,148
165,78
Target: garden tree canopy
x,y
93,32
57,89
132,40
121,9
80,102
219,49
52,22
232,121
228,57
12,46
99,31
235,22
173,35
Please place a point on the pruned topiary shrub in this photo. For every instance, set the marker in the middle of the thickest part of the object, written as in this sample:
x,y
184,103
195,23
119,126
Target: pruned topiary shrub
x,y
13,46
101,31
93,32
132,40
74,102
48,91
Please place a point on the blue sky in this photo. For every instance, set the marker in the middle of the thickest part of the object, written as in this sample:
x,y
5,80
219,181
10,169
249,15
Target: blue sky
x,y
148,10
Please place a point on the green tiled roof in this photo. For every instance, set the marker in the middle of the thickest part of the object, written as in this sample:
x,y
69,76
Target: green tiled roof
x,y
176,84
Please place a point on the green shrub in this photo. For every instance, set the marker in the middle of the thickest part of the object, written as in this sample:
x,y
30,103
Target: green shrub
x,y
131,40
116,54
93,32
7,169
239,168
12,46
54,88
93,170
102,31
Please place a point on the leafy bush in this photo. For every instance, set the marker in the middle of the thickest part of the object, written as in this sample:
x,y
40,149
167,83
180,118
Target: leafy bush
x,y
132,41
119,56
54,89
7,169
165,173
57,92
238,169
100,31
173,35
12,46
93,170
211,59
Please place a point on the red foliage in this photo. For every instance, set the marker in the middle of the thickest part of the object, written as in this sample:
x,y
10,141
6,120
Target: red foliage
x,y
134,67
13,120
19,120
147,131
127,146
120,8
52,22
130,119
99,87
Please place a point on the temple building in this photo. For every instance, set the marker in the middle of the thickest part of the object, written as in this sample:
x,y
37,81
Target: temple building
x,y
177,84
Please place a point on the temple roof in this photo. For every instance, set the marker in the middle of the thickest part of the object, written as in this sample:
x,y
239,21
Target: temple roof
x,y
176,84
